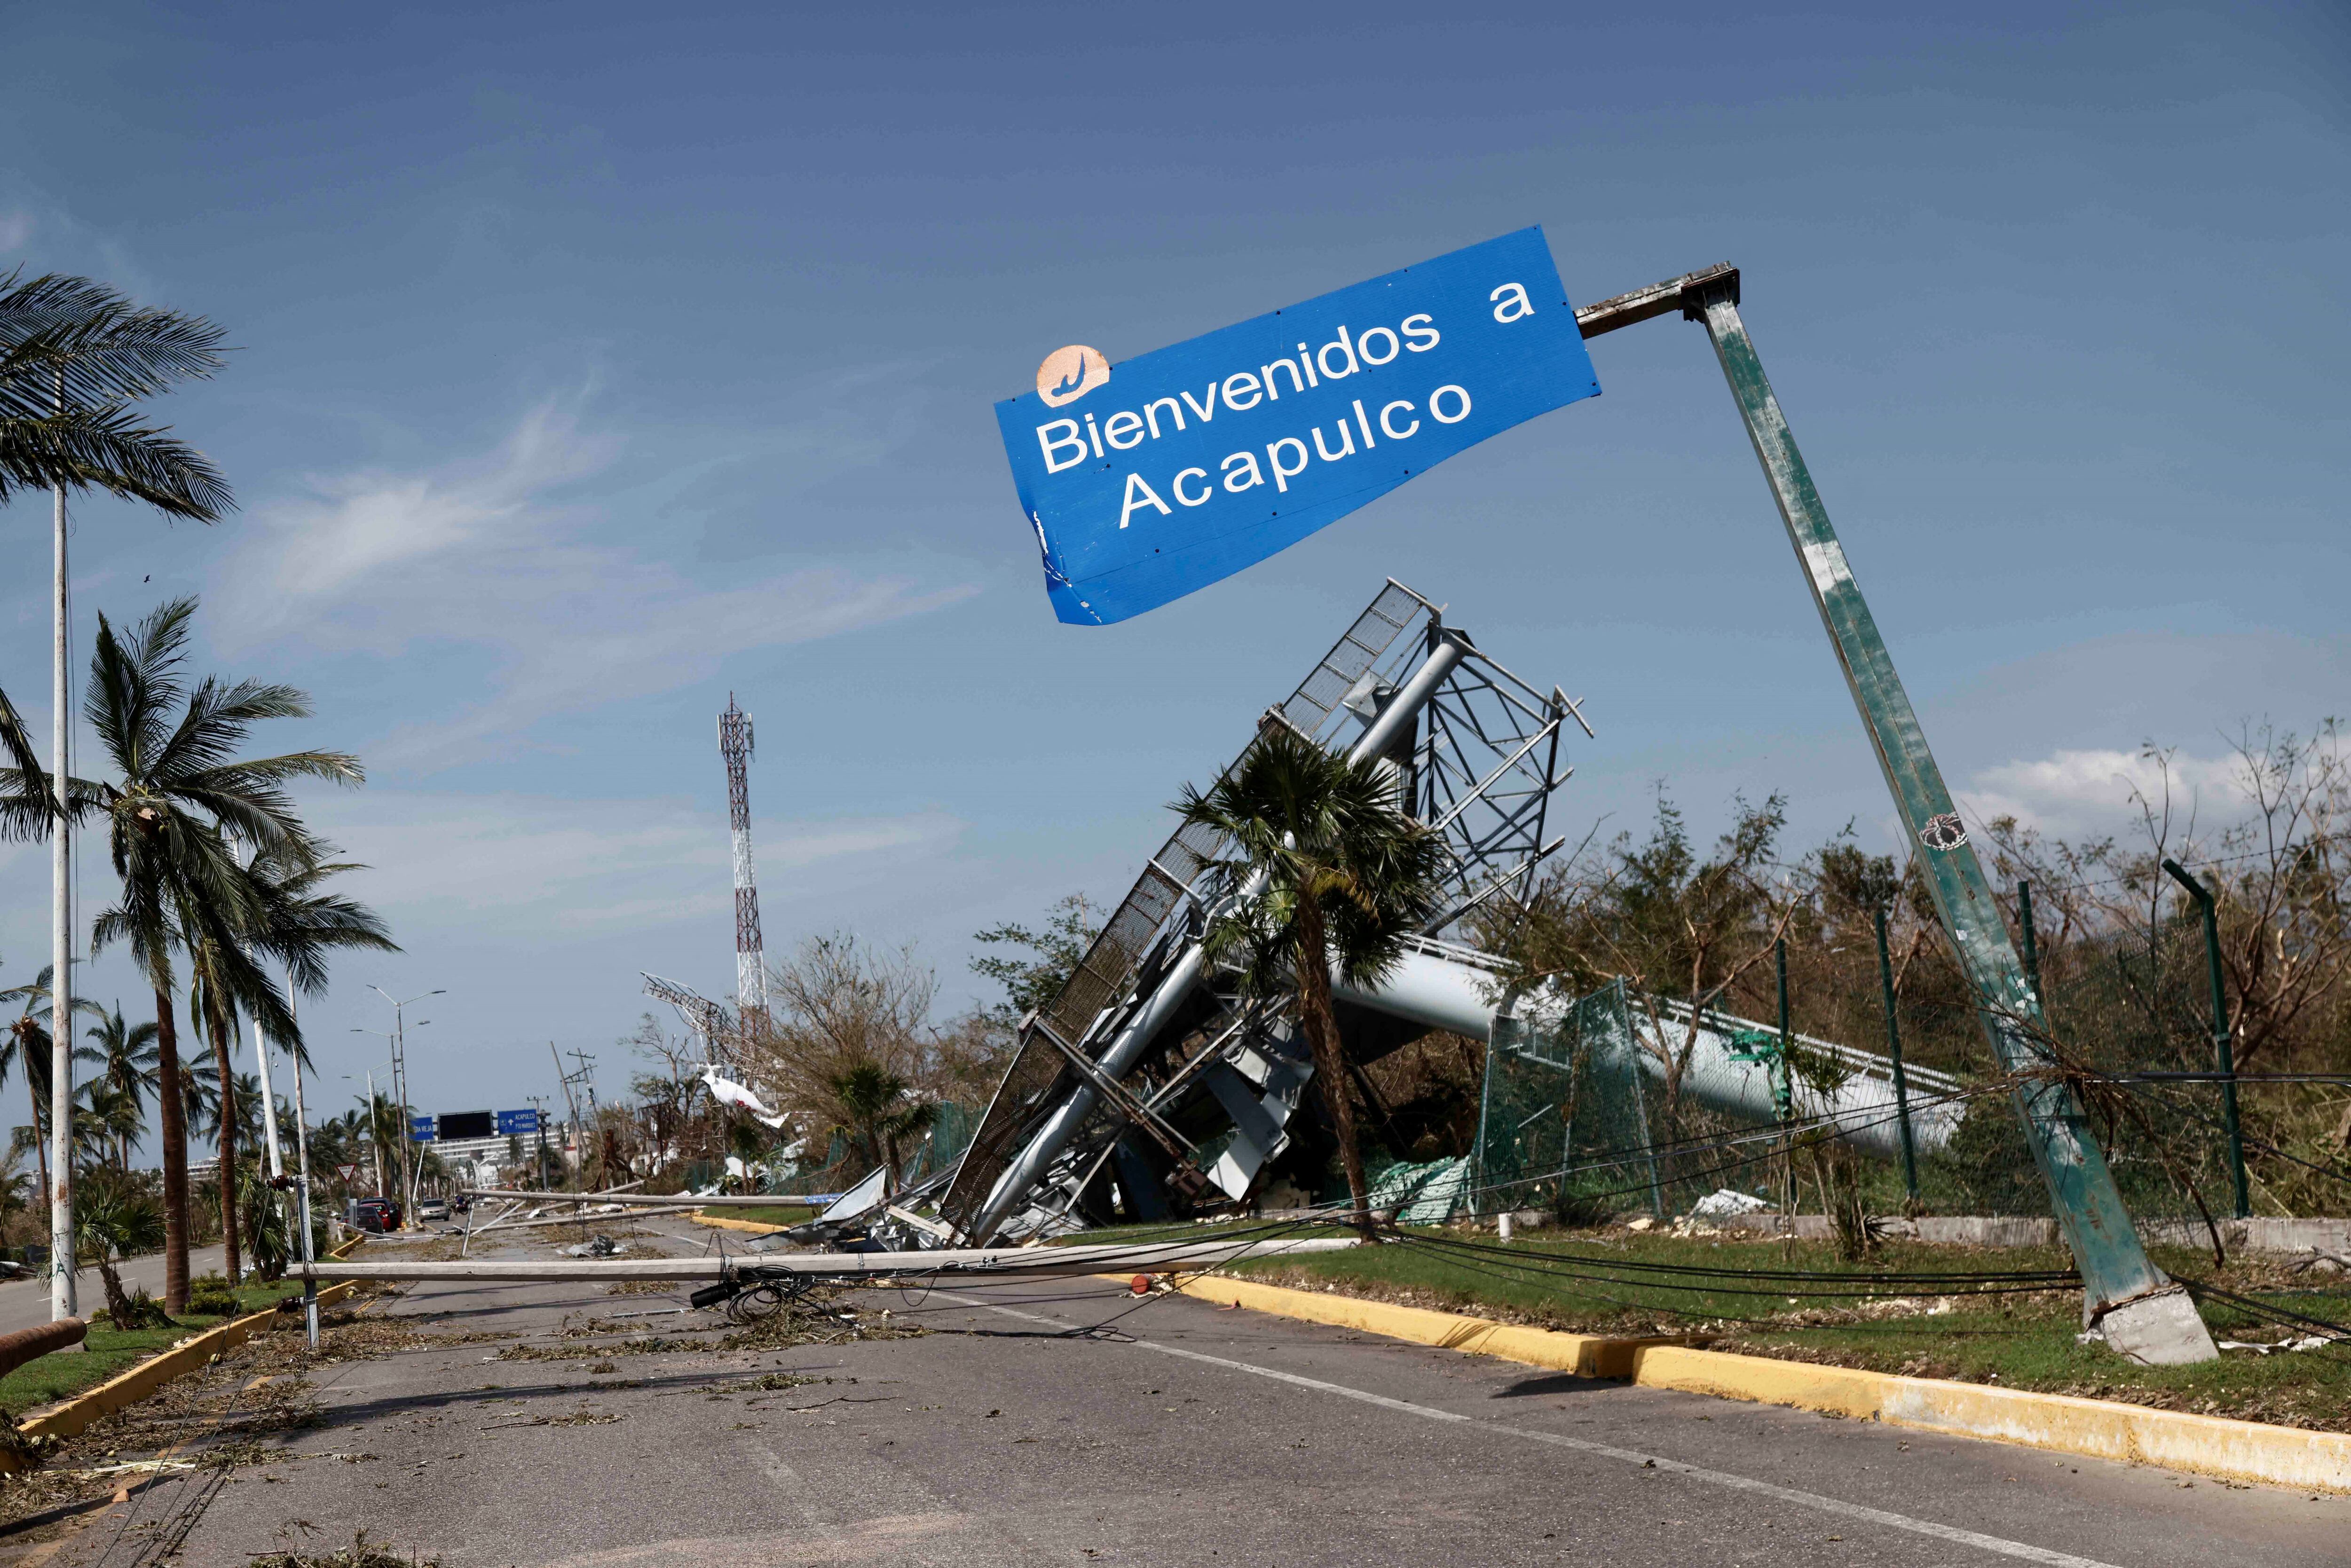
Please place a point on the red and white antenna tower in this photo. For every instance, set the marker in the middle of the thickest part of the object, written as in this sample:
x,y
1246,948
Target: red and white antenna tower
x,y
750,961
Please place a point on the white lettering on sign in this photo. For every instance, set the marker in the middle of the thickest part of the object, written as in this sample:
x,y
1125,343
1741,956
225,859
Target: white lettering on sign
x,y
1287,457
1052,443
1348,353
1510,303
1140,494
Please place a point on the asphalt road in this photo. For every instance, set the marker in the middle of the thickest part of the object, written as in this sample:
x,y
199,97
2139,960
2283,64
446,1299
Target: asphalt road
x,y
24,1302
1179,1434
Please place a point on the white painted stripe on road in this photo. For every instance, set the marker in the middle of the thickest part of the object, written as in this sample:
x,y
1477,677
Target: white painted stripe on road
x,y
1992,1543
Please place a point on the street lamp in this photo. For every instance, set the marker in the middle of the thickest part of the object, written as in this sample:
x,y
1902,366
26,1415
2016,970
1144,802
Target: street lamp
x,y
400,1083
368,1074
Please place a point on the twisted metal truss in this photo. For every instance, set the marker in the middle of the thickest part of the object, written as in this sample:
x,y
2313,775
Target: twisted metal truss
x,y
710,1022
1479,766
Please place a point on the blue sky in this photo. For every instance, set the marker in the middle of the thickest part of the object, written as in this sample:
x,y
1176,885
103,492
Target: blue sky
x,y
597,362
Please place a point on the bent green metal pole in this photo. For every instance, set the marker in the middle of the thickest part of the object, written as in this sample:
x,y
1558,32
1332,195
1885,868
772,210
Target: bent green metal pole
x,y
2115,1267
2221,1046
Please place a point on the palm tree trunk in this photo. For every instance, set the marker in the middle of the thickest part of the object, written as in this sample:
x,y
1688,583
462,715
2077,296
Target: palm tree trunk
x,y
40,1144
219,1028
170,1121
1316,1016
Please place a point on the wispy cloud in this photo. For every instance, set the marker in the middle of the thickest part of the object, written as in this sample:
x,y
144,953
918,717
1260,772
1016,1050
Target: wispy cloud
x,y
503,553
15,229
503,865
2090,792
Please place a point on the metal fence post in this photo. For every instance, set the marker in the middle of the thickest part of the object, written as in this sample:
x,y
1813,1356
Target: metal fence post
x,y
1894,1054
1786,1087
2221,1046
2032,947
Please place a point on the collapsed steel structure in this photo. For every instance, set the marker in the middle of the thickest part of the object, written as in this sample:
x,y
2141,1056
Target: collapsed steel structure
x,y
1149,1071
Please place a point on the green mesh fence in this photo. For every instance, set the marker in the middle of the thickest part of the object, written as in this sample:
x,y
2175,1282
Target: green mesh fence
x,y
1571,1121
951,1129
1564,1118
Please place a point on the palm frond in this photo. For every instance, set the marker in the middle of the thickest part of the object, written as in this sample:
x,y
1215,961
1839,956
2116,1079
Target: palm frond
x,y
16,744
111,449
91,342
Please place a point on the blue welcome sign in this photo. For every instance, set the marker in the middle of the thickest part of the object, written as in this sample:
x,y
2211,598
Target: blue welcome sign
x,y
1152,478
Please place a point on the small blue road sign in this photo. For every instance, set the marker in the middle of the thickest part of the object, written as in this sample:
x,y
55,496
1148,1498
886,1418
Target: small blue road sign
x,y
420,1129
1148,479
518,1124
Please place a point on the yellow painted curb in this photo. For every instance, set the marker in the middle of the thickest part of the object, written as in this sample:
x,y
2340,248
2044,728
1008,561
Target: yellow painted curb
x,y
2094,1428
1586,1356
133,1384
748,1227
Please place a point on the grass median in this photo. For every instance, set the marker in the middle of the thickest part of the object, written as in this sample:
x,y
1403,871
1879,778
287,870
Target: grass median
x,y
2017,1335
109,1350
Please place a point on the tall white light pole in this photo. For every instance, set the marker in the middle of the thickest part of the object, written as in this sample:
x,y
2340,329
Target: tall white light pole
x,y
373,1159
400,1084
302,1185
62,1303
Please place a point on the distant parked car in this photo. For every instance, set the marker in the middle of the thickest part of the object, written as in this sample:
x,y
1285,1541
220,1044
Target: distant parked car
x,y
431,1208
377,1214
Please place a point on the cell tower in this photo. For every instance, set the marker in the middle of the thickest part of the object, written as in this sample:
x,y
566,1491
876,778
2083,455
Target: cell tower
x,y
750,960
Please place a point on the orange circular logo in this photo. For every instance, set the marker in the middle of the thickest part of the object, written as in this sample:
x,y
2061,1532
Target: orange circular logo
x,y
1068,374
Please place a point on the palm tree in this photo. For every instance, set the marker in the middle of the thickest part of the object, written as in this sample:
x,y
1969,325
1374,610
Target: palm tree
x,y
109,1124
30,1043
302,923
125,1059
221,974
1329,869
117,1221
182,789
877,1110
102,1118
381,1126
244,1098
73,357
24,776
15,1198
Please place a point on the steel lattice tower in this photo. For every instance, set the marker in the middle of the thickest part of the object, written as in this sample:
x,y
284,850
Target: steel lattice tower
x,y
735,745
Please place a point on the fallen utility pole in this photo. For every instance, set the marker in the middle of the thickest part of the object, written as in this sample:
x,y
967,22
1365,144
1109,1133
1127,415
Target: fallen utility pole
x,y
633,1200
31,1345
1000,1262
574,1220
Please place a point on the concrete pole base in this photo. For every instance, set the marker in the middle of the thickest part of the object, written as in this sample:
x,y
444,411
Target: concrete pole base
x,y
2159,1329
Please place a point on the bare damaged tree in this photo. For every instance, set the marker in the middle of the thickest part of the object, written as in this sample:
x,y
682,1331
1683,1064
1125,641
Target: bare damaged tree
x,y
840,1005
1669,921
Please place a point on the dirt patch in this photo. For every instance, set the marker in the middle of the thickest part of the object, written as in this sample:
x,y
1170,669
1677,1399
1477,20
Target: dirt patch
x,y
218,1417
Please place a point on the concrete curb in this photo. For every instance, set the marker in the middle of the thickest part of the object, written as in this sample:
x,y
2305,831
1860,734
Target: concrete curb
x,y
748,1227
2094,1428
132,1384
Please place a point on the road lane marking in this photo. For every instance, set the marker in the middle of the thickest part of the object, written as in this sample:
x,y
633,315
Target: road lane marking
x,y
1977,1539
